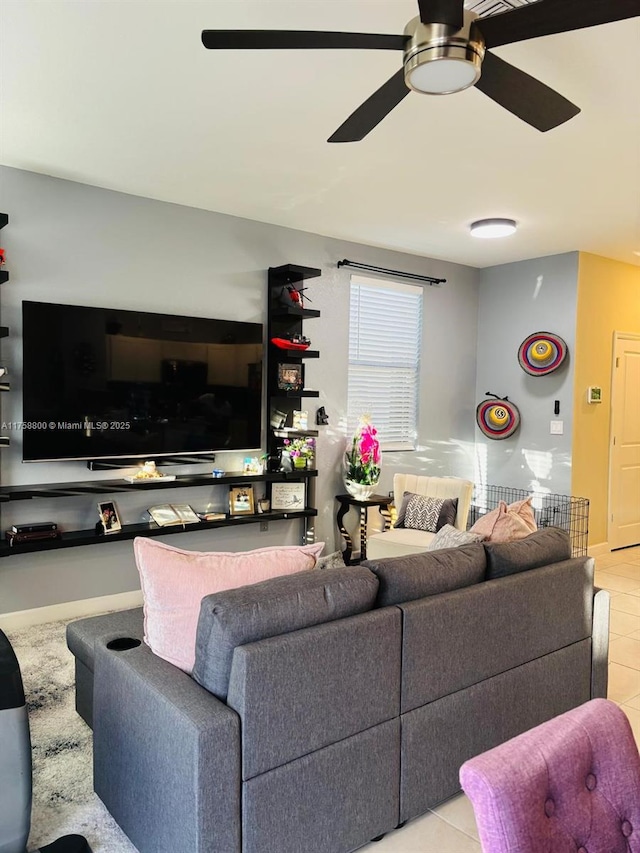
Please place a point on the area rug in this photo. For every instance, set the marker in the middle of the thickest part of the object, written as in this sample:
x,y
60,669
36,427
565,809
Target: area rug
x,y
63,798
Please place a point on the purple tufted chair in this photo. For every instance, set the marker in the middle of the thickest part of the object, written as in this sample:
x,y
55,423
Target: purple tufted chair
x,y
570,785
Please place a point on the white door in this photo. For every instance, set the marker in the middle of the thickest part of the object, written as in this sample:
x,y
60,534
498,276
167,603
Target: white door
x,y
624,506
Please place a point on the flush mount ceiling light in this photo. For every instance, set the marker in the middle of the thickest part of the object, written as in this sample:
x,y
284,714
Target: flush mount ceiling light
x,y
490,228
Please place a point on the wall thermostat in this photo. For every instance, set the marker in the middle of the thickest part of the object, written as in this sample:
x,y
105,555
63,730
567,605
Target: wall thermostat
x,y
594,394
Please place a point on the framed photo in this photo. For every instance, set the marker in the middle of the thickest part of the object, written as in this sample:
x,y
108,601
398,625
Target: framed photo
x,y
109,517
289,496
241,500
290,377
252,465
300,420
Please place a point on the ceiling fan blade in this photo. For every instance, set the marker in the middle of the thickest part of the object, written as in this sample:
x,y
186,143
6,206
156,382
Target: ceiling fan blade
x,y
523,95
442,12
374,109
292,39
547,17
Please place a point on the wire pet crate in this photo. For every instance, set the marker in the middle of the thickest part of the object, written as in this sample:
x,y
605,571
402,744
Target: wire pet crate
x,y
565,511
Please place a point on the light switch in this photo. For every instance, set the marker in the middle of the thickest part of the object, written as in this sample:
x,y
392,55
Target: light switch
x,y
556,427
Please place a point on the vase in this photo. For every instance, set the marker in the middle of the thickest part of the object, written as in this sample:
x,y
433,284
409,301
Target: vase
x,y
299,462
360,491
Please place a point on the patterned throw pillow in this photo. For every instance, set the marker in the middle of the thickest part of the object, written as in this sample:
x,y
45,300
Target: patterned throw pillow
x,y
446,514
450,537
423,513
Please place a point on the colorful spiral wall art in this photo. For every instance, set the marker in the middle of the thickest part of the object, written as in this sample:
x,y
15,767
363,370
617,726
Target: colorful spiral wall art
x,y
541,353
497,417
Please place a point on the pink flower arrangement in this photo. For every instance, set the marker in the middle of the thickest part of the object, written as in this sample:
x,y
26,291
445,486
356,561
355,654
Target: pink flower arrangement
x,y
362,461
304,447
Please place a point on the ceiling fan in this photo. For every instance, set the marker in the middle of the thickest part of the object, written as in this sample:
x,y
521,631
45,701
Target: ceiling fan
x,y
446,50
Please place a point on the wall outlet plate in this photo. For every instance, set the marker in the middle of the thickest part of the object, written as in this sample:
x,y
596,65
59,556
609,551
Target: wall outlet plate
x,y
556,427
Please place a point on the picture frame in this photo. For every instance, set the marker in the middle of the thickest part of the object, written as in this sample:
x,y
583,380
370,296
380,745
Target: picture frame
x,y
109,517
252,465
288,496
290,377
241,500
300,420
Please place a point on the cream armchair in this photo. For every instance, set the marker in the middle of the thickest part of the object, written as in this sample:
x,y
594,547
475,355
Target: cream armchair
x,y
399,541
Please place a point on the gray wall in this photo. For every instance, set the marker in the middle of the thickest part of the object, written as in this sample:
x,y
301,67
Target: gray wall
x,y
67,242
517,300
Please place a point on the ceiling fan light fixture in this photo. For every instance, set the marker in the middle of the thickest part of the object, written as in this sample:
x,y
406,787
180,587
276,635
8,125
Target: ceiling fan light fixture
x,y
442,70
489,229
440,60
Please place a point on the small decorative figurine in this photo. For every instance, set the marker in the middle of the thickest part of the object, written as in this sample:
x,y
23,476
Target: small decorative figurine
x,y
292,297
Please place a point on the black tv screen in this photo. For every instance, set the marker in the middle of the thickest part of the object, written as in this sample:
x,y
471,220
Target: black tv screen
x,y
101,382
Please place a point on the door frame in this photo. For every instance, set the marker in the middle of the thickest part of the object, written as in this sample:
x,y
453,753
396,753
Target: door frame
x,y
617,336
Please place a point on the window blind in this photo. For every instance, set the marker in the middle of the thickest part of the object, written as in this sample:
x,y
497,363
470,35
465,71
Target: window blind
x,y
385,339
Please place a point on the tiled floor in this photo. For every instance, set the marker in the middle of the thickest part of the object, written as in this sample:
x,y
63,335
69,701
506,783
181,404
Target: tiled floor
x,y
451,828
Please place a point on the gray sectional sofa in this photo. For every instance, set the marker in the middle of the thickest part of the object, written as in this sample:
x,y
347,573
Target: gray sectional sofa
x,y
328,707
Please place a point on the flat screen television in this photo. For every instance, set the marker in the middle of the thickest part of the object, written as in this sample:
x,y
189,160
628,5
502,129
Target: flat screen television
x,y
107,383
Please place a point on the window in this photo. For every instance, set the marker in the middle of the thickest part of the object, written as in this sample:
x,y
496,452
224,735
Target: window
x,y
385,339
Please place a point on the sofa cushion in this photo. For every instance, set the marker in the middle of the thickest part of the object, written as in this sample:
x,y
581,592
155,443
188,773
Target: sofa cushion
x,y
174,581
421,512
450,537
277,606
545,546
507,523
419,575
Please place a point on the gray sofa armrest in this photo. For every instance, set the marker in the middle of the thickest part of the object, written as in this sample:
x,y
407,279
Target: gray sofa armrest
x,y
600,644
166,755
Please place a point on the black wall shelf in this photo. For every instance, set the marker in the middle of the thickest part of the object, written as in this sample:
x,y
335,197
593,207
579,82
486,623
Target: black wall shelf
x,y
129,531
288,432
4,275
74,538
107,487
296,394
110,464
295,353
285,321
295,313
291,273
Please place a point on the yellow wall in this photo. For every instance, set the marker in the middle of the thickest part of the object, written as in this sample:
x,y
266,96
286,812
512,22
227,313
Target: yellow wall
x,y
608,301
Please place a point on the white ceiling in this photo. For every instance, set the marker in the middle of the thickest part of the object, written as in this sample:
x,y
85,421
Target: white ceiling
x,y
121,94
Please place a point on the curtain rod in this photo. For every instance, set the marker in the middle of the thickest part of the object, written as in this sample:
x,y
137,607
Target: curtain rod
x,y
414,276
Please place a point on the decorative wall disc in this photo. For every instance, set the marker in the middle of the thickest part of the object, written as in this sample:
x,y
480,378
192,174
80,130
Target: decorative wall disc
x,y
541,353
497,418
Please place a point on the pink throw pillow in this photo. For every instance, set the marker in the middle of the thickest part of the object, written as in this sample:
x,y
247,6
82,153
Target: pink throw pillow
x,y
509,527
175,581
524,510
485,524
507,523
